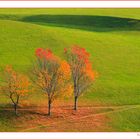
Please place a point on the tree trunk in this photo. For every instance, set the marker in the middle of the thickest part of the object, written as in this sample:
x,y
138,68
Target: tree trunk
x,y
75,102
15,108
49,107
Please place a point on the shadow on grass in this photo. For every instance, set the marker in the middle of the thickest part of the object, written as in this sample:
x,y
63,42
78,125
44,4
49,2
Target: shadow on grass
x,y
38,113
8,111
84,22
7,114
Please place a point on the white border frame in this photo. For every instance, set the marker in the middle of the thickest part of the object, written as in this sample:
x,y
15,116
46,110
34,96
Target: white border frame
x,y
78,135
69,4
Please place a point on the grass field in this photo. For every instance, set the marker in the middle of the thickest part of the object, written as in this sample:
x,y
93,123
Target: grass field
x,y
112,36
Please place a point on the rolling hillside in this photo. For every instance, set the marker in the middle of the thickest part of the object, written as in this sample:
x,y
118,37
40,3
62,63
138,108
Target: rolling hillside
x,y
112,36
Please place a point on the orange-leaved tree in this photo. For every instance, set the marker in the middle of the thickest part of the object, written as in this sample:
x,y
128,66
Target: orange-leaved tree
x,y
51,75
15,86
81,70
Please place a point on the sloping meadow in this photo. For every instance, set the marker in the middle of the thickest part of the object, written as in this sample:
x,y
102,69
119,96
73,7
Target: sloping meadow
x,y
111,36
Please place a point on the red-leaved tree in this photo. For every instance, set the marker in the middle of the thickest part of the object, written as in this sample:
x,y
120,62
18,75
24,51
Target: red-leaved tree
x,y
51,75
81,70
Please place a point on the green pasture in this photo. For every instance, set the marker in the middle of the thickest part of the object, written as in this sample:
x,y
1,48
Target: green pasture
x,y
112,36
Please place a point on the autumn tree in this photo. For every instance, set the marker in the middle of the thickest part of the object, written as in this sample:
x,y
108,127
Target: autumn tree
x,y
81,70
51,75
15,86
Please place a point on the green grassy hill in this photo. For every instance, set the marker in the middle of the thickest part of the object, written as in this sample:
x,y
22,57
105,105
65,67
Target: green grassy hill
x,y
110,35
